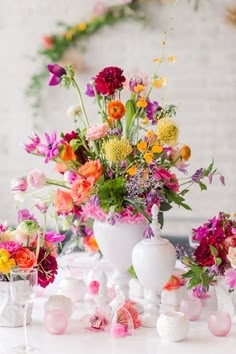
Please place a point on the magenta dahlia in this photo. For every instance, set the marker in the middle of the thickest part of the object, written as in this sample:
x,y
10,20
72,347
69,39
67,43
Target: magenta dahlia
x,y
109,80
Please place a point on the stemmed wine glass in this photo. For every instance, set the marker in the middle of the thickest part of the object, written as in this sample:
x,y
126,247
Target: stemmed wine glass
x,y
23,283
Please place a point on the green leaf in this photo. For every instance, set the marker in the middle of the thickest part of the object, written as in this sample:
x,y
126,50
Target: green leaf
x,y
111,194
196,269
218,261
130,112
202,186
213,250
132,272
185,191
194,282
164,206
186,206
209,169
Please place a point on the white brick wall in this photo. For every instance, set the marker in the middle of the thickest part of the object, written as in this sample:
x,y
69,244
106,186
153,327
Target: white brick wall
x,y
202,83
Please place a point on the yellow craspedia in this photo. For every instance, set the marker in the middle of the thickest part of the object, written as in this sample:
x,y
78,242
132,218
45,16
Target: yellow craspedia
x,y
167,131
117,149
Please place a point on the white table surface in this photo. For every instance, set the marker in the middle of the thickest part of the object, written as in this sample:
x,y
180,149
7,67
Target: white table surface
x,y
78,340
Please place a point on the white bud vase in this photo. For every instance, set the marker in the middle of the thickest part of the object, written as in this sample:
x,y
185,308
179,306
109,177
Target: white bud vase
x,y
154,262
116,243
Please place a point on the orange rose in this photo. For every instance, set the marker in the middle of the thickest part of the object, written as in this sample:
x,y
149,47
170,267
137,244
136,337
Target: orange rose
x,y
25,258
63,201
91,169
81,189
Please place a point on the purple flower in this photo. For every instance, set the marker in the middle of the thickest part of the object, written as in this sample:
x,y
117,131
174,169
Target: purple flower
x,y
90,90
222,179
51,148
33,146
198,175
152,108
51,236
57,72
24,214
19,184
95,200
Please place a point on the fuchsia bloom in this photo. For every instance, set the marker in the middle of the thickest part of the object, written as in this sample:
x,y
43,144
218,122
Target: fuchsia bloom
x,y
24,214
10,246
230,278
52,236
34,145
51,148
57,72
19,184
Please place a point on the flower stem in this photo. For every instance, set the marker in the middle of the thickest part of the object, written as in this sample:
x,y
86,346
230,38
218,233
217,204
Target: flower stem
x,y
81,102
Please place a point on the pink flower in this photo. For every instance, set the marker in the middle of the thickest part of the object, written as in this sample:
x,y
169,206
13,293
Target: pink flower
x,y
99,8
34,145
97,131
36,179
94,212
51,236
230,278
93,287
10,246
19,184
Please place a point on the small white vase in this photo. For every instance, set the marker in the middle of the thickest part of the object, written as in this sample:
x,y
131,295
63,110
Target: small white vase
x,y
11,314
154,262
116,243
172,326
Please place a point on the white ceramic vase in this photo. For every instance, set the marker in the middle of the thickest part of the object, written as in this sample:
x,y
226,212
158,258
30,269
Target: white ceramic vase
x,y
154,262
116,243
226,301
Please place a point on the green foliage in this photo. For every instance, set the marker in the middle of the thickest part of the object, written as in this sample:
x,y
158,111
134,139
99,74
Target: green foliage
x,y
111,193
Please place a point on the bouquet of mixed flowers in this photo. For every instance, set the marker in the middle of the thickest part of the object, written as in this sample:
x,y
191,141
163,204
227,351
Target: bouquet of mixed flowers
x,y
28,247
215,254
115,169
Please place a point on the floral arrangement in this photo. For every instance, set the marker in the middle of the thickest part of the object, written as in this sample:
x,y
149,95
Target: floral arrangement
x,y
117,169
27,246
214,256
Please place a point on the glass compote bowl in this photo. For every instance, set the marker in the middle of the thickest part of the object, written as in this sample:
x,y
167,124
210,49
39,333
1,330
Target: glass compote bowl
x,y
23,287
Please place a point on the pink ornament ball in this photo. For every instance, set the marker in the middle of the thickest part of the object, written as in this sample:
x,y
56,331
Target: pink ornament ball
x,y
219,323
55,321
118,331
191,307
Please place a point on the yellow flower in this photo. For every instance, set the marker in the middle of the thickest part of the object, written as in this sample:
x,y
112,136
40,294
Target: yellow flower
x,y
172,58
82,26
167,131
148,157
6,263
132,170
234,215
138,88
117,149
142,146
145,121
68,36
157,60
157,148
142,103
158,83
185,152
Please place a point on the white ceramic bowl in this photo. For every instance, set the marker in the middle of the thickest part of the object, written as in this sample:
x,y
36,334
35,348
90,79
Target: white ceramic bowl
x,y
172,326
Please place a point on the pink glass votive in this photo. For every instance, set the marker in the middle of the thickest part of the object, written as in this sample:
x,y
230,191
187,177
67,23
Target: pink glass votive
x,y
219,323
55,321
191,307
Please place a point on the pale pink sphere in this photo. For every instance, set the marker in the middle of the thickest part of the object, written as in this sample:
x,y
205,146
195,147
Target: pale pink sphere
x,y
36,179
191,307
55,321
219,323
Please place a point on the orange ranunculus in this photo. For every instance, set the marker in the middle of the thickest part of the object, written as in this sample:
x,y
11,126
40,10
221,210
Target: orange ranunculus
x,y
91,169
25,258
63,201
116,109
81,189
67,152
185,152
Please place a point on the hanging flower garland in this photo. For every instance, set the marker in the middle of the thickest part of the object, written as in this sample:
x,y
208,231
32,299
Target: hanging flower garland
x,y
55,46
